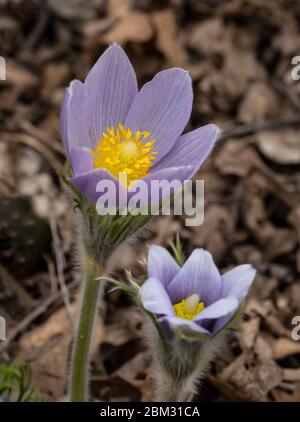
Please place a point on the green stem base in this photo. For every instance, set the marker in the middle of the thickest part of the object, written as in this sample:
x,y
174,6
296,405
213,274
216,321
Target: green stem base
x,y
82,342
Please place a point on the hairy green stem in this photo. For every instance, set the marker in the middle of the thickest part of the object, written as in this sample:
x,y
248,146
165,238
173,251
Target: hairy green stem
x,y
176,371
82,341
180,367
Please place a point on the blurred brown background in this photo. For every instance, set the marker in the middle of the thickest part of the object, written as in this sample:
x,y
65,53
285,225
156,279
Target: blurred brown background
x,y
238,53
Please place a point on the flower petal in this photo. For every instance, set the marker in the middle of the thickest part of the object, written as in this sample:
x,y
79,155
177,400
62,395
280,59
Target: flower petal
x,y
87,184
221,322
64,121
81,160
191,149
159,185
161,264
176,322
218,309
111,87
163,107
155,298
73,117
238,281
198,275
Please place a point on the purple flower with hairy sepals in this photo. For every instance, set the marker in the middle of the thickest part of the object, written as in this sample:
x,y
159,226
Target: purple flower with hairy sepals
x,y
110,128
195,296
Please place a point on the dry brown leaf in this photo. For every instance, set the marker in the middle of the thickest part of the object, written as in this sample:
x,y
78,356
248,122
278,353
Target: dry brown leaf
x,y
284,347
293,294
207,37
287,40
216,232
118,334
236,158
135,370
44,348
253,379
263,349
281,146
259,103
54,76
248,332
20,77
291,374
238,66
47,349
92,31
168,41
118,8
135,27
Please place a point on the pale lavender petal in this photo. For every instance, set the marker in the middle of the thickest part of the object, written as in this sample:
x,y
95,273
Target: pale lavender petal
x,y
161,264
218,309
73,119
64,121
198,275
177,322
81,160
163,107
221,322
191,149
111,87
238,281
155,298
158,186
87,184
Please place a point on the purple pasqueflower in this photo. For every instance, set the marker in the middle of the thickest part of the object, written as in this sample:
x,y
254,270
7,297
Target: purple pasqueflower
x,y
195,296
109,127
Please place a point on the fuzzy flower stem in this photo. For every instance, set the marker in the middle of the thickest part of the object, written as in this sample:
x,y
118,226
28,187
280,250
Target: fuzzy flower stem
x,y
177,372
180,368
173,391
81,347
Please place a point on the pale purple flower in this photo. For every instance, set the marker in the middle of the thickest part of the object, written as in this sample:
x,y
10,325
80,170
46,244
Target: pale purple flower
x,y
152,118
195,296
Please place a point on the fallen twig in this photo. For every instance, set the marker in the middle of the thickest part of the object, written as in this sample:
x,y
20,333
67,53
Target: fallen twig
x,y
22,138
245,130
37,133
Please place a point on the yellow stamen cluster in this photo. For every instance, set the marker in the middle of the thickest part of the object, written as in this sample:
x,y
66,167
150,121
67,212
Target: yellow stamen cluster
x,y
190,307
122,151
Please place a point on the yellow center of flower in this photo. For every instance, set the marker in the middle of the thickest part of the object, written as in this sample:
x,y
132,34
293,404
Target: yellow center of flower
x,y
190,307
122,151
